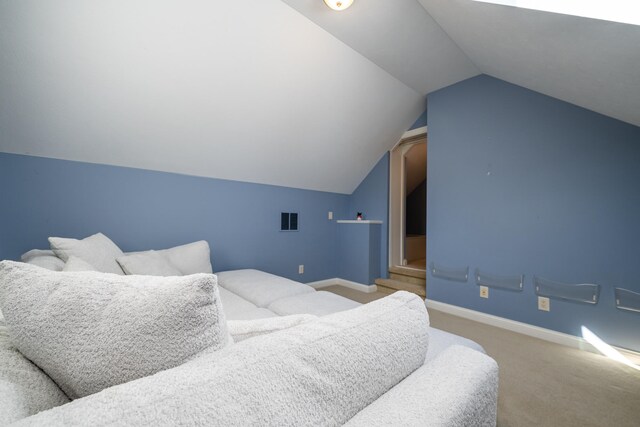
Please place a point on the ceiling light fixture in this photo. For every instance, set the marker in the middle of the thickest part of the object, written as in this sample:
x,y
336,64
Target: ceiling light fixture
x,y
338,4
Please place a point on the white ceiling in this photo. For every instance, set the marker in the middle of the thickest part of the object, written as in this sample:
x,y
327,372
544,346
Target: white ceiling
x,y
250,91
283,92
399,36
591,63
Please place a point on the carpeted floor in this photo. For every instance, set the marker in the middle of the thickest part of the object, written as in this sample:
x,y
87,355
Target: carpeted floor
x,y
542,383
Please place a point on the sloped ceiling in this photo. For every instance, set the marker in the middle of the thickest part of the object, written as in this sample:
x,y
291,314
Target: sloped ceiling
x,y
591,63
399,36
282,92
246,90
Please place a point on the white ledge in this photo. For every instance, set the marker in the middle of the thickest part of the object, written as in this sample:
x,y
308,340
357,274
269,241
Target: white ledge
x,y
355,221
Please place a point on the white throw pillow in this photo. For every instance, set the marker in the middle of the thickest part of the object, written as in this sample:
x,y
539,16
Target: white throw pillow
x,y
150,263
77,264
191,258
52,263
91,331
43,258
320,373
33,253
24,389
98,250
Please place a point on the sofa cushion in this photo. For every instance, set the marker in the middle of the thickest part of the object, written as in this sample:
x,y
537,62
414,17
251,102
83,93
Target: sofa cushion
x,y
319,373
43,258
317,303
458,388
253,314
77,264
234,305
149,263
24,389
91,331
259,287
98,250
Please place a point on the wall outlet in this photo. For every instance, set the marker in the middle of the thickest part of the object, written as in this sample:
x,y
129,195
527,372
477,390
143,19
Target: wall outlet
x,y
544,304
484,292
301,269
330,215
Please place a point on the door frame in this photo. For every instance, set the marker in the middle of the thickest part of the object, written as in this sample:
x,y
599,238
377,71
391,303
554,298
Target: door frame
x,y
397,196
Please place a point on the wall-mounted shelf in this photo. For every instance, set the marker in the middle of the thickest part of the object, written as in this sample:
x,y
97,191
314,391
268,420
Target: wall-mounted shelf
x,y
456,275
586,293
510,283
355,221
627,300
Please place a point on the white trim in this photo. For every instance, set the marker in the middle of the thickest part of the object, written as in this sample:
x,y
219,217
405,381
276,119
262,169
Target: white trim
x,y
368,289
519,327
413,133
355,221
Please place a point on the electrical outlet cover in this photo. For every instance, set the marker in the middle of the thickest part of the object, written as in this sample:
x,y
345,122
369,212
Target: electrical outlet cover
x,y
484,292
544,304
301,269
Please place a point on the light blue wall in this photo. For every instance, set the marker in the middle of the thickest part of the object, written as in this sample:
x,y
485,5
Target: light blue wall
x,y
142,209
521,183
359,252
421,122
372,198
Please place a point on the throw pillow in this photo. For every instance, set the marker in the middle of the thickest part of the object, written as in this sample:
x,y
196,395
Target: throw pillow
x,y
320,373
24,389
77,264
43,258
91,331
149,263
191,258
98,250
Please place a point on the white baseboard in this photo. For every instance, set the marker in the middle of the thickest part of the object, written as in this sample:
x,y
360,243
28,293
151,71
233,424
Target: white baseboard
x,y
519,327
346,283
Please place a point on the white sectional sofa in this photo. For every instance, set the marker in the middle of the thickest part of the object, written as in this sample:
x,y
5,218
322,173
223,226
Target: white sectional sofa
x,y
302,357
252,294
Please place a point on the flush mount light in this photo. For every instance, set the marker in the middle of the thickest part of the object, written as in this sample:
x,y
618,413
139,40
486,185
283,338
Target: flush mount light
x,y
338,4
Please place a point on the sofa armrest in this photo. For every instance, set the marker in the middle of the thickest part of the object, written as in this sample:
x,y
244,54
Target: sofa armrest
x,y
457,388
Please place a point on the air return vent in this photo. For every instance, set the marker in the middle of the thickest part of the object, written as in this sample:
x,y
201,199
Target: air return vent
x,y
288,221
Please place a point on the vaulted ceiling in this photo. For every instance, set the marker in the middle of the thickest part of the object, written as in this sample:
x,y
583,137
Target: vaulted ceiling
x,y
588,62
283,92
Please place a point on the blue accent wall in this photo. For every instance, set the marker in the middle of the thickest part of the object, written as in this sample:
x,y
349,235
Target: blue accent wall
x,y
521,183
372,199
141,209
359,252
420,122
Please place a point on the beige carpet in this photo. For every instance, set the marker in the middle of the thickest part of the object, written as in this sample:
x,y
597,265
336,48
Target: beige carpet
x,y
545,384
